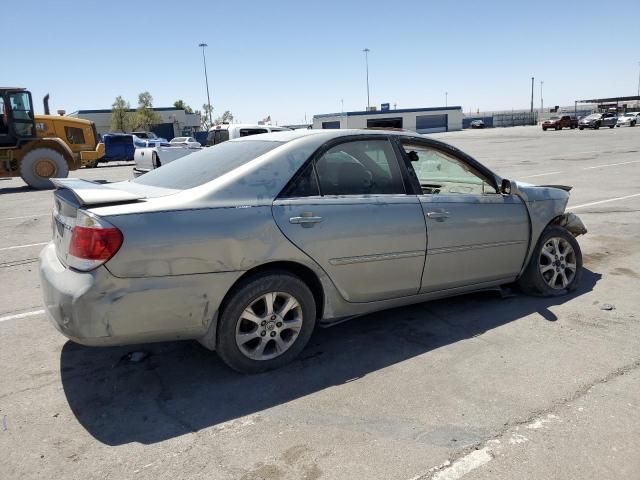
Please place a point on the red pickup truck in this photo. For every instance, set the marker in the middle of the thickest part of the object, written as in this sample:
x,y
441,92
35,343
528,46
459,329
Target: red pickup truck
x,y
558,123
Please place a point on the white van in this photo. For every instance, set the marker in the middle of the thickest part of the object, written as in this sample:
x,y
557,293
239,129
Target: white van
x,y
229,131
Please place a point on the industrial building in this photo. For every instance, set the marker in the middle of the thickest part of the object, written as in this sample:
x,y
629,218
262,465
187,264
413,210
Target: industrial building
x,y
421,120
174,121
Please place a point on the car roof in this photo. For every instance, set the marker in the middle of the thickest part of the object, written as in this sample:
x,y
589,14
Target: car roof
x,y
323,135
227,126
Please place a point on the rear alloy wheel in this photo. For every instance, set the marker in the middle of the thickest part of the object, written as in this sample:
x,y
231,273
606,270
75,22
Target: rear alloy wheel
x,y
266,323
41,164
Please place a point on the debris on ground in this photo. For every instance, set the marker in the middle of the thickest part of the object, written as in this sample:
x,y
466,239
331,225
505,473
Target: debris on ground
x,y
607,306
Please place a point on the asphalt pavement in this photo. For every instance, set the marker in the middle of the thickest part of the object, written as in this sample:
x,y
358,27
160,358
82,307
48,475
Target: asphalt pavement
x,y
478,386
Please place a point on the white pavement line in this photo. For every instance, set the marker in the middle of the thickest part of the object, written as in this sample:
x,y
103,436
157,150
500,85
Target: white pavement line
x,y
611,165
540,175
21,315
603,201
23,216
23,246
466,464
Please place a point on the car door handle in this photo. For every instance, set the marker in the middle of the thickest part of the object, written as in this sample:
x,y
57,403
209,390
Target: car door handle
x,y
306,220
438,215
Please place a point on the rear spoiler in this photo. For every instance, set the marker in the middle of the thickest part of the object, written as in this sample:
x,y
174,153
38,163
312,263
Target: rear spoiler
x,y
90,193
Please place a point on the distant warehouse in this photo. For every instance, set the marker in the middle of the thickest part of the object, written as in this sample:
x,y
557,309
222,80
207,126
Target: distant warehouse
x,y
421,120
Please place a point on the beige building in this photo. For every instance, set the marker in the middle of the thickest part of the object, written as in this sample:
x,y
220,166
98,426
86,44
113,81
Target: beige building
x,y
174,122
421,120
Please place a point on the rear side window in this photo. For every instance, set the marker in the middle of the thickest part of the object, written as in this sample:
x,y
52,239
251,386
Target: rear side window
x,y
217,136
305,184
206,165
362,167
245,132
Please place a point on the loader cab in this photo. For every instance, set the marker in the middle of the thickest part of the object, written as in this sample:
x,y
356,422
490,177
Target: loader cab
x,y
17,122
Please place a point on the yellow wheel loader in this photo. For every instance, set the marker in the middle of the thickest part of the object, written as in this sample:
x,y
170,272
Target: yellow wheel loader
x,y
40,147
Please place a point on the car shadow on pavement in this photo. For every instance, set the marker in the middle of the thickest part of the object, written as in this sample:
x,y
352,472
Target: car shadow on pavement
x,y
181,387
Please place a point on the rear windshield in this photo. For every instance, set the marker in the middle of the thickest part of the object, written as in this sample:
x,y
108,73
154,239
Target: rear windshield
x,y
206,165
217,136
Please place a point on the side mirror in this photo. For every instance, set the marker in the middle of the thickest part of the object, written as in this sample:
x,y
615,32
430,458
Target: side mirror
x,y
505,186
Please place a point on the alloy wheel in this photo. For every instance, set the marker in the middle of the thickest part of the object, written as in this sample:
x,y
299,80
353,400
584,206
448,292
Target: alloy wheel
x,y
269,326
557,263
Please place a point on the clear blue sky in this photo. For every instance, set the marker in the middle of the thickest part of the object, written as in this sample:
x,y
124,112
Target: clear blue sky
x,y
288,58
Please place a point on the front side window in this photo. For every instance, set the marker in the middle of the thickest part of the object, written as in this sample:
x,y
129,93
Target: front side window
x,y
440,173
74,135
363,167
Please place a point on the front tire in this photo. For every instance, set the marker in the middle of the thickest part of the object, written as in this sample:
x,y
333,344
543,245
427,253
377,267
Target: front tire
x,y
555,266
40,165
266,322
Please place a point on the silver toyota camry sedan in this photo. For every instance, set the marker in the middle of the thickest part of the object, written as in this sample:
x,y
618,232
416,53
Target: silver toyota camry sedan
x,y
248,245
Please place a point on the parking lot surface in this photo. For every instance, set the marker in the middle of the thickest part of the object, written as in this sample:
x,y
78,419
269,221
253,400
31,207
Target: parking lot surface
x,y
480,386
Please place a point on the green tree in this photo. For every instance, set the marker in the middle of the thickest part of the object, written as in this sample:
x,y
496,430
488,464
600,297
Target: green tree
x,y
183,106
204,117
145,115
227,117
120,116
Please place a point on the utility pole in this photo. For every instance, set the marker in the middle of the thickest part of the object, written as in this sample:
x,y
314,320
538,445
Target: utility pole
x,y
206,81
366,60
446,95
639,79
532,81
541,100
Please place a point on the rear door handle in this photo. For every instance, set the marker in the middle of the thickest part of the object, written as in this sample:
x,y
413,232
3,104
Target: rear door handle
x,y
307,220
438,215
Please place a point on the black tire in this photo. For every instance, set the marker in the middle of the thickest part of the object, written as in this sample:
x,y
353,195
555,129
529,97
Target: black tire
x,y
632,124
580,128
532,280
544,129
48,162
596,126
611,126
558,127
244,295
618,126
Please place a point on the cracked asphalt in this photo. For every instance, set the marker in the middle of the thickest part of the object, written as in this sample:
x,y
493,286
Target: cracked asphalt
x,y
478,386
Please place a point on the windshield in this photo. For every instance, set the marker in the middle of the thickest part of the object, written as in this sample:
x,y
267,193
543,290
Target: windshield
x,y
179,139
554,118
206,165
593,116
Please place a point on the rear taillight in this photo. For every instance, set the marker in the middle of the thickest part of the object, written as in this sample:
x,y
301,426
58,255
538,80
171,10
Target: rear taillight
x,y
93,242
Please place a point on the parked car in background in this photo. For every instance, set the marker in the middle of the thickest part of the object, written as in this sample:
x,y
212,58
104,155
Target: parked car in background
x,y
248,245
150,158
185,142
477,124
629,119
226,131
558,123
597,120
150,138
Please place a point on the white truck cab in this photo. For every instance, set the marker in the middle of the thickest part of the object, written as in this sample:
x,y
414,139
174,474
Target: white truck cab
x,y
229,131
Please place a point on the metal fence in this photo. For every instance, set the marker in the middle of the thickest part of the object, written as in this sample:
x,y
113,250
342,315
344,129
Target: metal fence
x,y
515,119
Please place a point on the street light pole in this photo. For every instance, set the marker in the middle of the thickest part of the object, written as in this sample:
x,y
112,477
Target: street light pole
x,y
206,80
366,60
541,100
446,95
639,79
532,81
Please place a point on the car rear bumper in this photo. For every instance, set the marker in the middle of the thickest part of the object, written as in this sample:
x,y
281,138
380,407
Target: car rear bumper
x,y
98,309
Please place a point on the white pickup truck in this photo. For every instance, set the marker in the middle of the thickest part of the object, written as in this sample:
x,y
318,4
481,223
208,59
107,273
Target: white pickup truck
x,y
153,157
